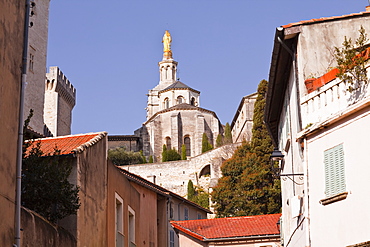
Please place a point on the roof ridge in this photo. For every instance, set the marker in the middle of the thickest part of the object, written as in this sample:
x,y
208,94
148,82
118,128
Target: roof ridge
x,y
98,137
66,136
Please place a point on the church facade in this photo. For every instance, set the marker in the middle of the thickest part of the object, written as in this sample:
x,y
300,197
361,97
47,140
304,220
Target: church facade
x,y
174,116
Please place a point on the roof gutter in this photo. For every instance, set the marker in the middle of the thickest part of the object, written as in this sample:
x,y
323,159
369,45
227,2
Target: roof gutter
x,y
242,238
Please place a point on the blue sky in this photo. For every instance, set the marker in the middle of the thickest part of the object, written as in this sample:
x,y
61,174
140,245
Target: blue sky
x,y
110,51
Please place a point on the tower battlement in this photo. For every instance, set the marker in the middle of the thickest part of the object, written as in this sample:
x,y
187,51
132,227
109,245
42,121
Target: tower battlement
x,y
56,81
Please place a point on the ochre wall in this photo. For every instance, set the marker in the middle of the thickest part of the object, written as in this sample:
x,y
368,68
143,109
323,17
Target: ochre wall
x,y
11,47
117,183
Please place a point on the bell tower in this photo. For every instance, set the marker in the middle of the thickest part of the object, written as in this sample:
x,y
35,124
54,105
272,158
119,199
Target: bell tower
x,y
167,75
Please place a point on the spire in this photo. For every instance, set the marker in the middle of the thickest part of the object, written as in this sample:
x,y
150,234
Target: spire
x,y
167,53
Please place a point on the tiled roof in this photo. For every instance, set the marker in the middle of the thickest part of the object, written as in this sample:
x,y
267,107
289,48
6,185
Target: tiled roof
x,y
232,227
67,144
139,180
178,85
323,19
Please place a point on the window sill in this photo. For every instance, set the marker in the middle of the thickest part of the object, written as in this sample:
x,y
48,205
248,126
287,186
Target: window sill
x,y
335,198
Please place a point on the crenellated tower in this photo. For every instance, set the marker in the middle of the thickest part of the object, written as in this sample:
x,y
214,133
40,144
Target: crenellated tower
x,y
60,98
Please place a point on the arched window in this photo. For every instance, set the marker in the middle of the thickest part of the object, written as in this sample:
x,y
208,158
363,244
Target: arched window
x,y
180,100
192,102
187,145
166,103
168,142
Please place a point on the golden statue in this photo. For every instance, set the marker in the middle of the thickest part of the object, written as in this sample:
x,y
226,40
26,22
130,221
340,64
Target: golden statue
x,y
166,41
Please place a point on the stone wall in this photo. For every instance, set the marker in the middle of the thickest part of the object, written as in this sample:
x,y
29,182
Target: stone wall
x,y
39,232
175,175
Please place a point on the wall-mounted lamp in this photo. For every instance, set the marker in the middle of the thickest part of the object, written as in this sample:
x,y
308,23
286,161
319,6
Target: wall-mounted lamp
x,y
277,164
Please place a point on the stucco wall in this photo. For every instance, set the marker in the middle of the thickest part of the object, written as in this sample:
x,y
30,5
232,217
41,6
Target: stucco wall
x,y
175,175
119,185
344,222
11,46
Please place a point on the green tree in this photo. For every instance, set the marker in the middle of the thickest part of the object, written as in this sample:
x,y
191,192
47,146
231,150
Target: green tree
x,y
164,153
191,190
151,159
119,156
45,185
183,152
227,135
198,195
173,155
247,186
219,140
206,146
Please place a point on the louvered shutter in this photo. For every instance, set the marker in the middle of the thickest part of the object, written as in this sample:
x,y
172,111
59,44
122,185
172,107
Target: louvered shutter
x,y
334,171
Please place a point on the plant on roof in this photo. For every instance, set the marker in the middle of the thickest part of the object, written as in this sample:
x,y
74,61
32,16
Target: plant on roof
x,y
351,59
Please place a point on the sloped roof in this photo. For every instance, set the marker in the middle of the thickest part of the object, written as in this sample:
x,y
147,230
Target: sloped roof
x,y
232,227
178,85
323,19
182,106
66,144
139,180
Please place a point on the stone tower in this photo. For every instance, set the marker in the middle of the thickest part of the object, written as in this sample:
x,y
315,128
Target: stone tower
x,y
174,117
37,50
60,98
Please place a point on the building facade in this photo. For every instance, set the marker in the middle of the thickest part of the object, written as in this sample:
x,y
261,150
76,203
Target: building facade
x,y
12,15
242,124
319,125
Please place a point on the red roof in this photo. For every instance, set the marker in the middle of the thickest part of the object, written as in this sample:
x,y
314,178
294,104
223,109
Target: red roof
x,y
66,144
219,228
323,19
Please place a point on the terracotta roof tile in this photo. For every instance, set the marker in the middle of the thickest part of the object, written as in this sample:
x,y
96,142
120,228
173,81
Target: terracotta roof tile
x,y
323,19
67,144
232,227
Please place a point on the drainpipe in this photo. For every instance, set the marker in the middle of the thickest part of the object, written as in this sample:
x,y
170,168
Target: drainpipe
x,y
17,229
307,206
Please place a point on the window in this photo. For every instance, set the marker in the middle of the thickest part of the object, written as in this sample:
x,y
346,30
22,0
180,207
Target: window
x,y
131,227
119,221
334,171
172,238
186,213
168,143
187,145
32,59
166,103
180,100
199,216
192,102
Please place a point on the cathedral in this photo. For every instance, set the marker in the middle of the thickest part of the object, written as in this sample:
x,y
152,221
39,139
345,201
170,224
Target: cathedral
x,y
173,115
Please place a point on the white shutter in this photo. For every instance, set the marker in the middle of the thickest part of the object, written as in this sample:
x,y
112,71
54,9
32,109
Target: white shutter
x,y
334,171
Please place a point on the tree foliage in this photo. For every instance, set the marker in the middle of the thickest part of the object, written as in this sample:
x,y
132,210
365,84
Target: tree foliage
x,y
119,156
198,195
170,154
219,140
227,135
183,152
247,186
206,146
45,185
151,159
351,59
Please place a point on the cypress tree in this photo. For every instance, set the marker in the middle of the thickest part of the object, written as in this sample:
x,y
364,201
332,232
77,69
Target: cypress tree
x,y
247,186
206,146
164,153
191,190
151,159
219,141
228,137
183,152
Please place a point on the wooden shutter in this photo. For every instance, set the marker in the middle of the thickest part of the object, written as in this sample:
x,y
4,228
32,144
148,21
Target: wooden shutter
x,y
334,171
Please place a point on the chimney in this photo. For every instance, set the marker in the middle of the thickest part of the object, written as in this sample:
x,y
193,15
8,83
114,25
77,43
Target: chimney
x,y
368,8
